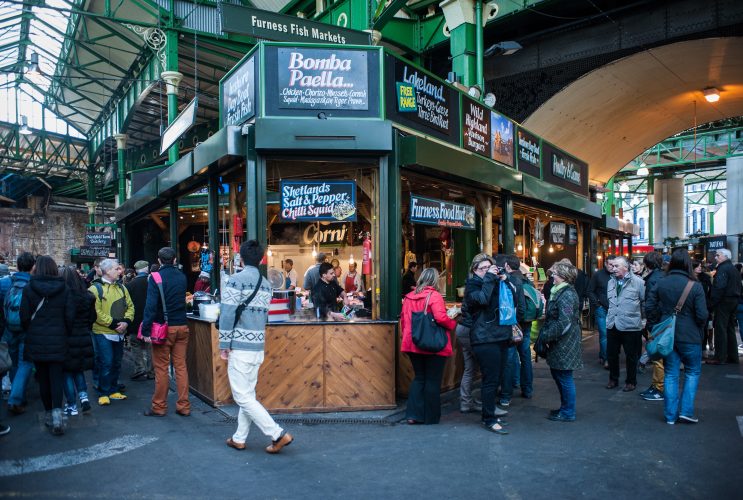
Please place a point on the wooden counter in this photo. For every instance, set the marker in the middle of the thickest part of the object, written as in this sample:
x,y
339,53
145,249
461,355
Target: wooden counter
x,y
308,367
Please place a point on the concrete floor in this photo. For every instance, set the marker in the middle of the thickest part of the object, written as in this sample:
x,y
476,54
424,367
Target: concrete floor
x,y
620,447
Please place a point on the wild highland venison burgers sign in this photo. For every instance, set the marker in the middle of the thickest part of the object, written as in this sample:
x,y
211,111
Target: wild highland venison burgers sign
x,y
476,128
441,213
564,170
318,201
528,153
323,79
238,94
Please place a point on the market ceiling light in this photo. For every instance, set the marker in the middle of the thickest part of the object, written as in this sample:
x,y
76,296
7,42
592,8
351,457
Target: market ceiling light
x,y
711,94
24,126
624,188
503,49
33,65
643,171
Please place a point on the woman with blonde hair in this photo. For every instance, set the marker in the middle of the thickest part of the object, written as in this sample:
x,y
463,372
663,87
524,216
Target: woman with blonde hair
x,y
424,394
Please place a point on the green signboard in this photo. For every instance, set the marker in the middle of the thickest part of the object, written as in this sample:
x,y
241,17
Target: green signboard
x,y
406,98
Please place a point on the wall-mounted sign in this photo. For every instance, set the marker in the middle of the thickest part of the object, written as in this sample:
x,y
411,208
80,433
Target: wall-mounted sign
x,y
715,243
282,28
326,79
441,213
98,239
86,251
528,153
318,200
432,107
238,94
564,170
475,127
184,121
557,233
572,234
502,139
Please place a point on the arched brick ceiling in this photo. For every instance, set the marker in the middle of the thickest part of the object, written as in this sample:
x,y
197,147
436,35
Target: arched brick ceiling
x,y
614,113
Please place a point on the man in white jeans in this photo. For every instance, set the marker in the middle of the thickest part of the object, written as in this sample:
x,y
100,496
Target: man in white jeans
x,y
242,329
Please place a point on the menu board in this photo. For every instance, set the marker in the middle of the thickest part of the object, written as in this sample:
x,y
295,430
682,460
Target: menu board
x,y
572,234
238,94
564,170
557,233
441,213
528,153
318,200
502,140
421,101
475,127
326,79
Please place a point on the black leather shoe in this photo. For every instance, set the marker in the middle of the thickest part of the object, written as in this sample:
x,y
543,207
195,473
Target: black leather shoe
x,y
560,418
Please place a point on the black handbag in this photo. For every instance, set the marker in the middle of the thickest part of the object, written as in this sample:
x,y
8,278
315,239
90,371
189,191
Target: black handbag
x,y
428,335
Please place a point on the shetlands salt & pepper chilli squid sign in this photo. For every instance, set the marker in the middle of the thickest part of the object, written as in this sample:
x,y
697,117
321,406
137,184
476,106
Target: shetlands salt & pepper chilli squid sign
x,y
441,213
318,201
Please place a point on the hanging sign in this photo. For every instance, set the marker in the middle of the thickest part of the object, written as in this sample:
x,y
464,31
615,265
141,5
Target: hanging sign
x,y
98,239
564,170
572,234
528,153
441,213
182,123
557,233
476,127
502,139
238,94
318,200
323,79
86,251
715,243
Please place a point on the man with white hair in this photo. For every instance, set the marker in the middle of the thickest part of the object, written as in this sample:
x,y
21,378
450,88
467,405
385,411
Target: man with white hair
x,y
726,290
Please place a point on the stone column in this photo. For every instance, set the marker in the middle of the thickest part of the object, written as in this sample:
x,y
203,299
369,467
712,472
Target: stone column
x,y
734,203
121,156
668,212
172,81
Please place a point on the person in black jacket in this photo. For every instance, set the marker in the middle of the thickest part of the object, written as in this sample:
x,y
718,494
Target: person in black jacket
x,y
653,262
687,345
518,367
47,315
80,354
706,281
599,300
726,290
408,279
141,350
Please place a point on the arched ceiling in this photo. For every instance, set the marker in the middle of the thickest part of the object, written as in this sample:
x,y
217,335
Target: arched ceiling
x,y
614,113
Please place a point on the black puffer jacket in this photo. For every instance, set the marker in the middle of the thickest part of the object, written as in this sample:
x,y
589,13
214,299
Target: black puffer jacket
x,y
481,296
663,299
47,334
651,281
80,341
726,285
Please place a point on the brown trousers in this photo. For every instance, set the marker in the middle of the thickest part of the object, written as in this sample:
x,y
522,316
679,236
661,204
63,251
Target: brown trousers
x,y
175,347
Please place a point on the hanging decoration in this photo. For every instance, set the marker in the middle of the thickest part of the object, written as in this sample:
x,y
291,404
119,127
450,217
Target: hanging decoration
x,y
206,259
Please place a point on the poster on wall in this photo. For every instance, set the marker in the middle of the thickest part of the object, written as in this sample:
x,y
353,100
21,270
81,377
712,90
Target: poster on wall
x,y
564,170
421,101
441,213
502,138
475,127
318,200
238,94
572,234
528,153
557,233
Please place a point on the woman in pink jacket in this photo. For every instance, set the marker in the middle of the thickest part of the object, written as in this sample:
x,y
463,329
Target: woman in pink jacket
x,y
424,401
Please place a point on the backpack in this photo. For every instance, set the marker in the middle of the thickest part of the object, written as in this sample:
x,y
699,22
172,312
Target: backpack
x,y
506,306
12,306
534,304
99,289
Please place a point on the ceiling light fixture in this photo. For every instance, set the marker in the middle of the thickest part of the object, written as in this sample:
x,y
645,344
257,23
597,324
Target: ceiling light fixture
x,y
643,171
503,49
33,66
24,126
711,94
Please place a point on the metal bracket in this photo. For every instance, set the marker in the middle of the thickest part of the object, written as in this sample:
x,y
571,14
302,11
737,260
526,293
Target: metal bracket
x,y
154,38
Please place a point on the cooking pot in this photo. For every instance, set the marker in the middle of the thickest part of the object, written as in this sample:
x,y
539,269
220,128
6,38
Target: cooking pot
x,y
198,299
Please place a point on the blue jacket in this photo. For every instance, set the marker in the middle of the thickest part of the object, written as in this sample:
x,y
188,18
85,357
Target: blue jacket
x,y
174,289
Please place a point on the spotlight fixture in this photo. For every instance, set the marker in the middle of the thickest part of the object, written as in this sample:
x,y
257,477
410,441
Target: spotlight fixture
x,y
33,65
24,126
711,94
503,49
643,171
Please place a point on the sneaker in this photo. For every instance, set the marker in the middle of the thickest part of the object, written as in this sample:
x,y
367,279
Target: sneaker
x,y
647,391
85,405
671,422
4,429
688,420
104,400
505,403
70,410
117,396
655,395
500,412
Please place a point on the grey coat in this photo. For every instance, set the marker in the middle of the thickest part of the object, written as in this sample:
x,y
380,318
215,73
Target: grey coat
x,y
626,311
562,330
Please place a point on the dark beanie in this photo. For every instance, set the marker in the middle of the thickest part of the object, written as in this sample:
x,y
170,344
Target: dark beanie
x,y
252,253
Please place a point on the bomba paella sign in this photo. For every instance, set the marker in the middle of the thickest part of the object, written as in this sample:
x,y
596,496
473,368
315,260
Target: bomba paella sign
x,y
318,201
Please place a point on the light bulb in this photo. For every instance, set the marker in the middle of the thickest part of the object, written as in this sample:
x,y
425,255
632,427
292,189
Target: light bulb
x,y
520,247
269,253
314,251
536,249
551,250
350,259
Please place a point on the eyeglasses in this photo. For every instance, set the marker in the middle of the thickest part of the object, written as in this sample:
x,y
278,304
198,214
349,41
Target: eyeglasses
x,y
483,268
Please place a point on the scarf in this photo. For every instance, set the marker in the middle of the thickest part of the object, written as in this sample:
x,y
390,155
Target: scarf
x,y
557,288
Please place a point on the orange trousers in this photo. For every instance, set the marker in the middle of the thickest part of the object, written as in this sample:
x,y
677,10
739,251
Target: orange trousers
x,y
175,347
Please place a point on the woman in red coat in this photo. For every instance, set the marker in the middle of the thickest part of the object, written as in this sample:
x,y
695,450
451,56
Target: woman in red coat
x,y
424,401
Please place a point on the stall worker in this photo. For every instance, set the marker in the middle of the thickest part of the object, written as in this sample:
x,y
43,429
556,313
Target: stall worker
x,y
326,292
203,283
352,282
290,275
408,279
312,275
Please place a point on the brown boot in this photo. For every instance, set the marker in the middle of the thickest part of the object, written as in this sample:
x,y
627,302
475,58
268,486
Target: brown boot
x,y
284,440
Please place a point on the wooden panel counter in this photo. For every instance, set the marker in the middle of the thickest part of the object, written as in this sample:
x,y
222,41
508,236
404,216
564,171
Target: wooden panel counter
x,y
308,367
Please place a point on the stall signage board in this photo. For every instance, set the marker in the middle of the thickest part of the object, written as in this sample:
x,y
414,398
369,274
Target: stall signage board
x,y
476,127
98,239
283,28
716,243
182,123
441,213
238,94
557,233
572,234
564,170
318,200
87,251
432,107
528,153
325,79
502,139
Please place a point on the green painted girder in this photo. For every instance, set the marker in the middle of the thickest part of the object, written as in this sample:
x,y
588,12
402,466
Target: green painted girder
x,y
380,20
42,151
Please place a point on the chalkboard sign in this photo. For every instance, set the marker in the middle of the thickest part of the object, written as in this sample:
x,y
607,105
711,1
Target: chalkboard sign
x,y
441,213
238,94
557,233
86,251
318,200
98,240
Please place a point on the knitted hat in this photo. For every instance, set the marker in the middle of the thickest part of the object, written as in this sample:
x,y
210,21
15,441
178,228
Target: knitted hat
x,y
141,265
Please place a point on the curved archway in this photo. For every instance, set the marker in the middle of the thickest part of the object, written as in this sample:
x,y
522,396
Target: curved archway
x,y
613,114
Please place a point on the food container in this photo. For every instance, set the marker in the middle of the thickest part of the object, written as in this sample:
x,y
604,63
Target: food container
x,y
209,312
460,292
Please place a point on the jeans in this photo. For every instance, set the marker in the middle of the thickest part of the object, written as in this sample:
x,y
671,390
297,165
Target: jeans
x,y
468,374
691,356
566,386
242,370
492,359
108,356
20,380
424,393
518,370
630,341
600,317
74,385
174,349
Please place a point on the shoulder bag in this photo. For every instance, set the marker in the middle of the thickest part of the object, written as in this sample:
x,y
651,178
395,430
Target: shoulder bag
x,y
243,305
660,343
427,335
159,331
